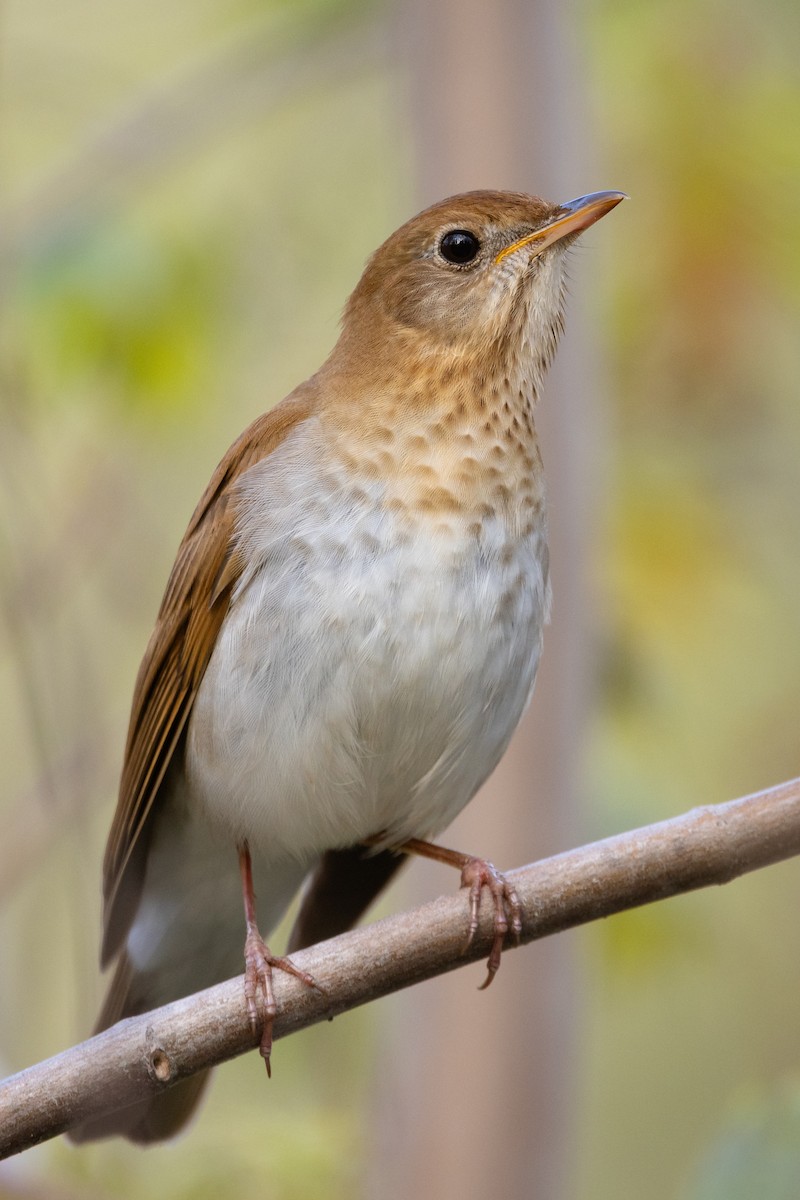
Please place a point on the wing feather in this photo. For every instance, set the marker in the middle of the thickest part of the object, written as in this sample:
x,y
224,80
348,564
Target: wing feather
x,y
195,602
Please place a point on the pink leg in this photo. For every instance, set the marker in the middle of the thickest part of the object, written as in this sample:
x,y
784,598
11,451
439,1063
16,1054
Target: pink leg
x,y
477,874
260,963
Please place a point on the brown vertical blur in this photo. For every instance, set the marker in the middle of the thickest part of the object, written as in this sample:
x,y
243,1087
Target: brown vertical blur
x,y
474,1096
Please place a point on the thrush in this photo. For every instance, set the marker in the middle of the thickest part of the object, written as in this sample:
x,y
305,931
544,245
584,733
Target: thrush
x,y
352,627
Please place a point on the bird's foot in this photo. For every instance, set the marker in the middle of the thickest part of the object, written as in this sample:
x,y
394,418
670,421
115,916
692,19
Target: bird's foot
x,y
259,965
477,874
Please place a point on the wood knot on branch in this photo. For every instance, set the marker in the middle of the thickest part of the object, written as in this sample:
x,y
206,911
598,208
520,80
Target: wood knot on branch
x,y
158,1065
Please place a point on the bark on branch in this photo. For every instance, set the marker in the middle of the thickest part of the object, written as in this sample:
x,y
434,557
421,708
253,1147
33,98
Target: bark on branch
x,y
710,845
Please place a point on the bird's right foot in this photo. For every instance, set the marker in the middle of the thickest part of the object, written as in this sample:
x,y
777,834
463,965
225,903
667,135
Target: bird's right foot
x,y
259,963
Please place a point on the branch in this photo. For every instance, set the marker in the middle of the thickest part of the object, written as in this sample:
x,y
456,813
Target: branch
x,y
144,1054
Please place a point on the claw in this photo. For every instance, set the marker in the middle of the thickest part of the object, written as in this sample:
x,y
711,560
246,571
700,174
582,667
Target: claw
x,y
259,965
476,875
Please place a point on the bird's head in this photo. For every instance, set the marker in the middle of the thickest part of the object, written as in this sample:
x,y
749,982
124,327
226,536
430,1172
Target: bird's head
x,y
477,273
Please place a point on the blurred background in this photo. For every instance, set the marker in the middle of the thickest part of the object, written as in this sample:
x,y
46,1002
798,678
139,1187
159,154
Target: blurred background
x,y
188,192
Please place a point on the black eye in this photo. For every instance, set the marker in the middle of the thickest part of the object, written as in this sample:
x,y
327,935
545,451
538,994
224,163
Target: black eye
x,y
459,246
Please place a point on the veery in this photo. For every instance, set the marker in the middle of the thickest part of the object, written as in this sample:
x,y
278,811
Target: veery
x,y
351,630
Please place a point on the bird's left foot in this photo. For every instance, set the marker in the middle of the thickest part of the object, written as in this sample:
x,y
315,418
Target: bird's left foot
x,y
477,874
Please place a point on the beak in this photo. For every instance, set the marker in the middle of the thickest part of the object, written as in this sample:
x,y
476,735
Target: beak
x,y
572,218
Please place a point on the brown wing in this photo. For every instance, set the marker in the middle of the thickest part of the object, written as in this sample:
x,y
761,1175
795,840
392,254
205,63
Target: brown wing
x,y
192,611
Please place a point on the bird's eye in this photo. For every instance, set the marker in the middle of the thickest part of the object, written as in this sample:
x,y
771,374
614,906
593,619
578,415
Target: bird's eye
x,y
459,246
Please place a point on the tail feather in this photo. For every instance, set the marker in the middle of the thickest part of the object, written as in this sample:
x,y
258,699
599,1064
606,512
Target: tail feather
x,y
341,888
187,934
157,1117
202,945
152,1120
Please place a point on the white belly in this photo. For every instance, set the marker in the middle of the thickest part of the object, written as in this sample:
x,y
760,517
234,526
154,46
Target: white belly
x,y
368,675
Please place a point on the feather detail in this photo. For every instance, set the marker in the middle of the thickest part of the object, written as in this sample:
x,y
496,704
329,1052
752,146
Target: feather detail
x,y
194,606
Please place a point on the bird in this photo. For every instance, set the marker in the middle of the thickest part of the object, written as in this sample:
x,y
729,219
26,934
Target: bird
x,y
351,630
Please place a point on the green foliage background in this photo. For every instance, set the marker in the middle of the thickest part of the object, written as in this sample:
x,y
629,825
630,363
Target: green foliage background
x,y
150,308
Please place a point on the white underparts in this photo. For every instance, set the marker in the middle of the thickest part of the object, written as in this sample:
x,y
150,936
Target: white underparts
x,y
370,671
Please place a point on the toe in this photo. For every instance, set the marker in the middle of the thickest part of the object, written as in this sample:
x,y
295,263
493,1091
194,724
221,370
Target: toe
x,y
476,875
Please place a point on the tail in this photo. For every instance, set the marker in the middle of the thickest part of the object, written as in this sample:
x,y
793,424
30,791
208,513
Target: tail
x,y
187,934
157,1117
343,885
